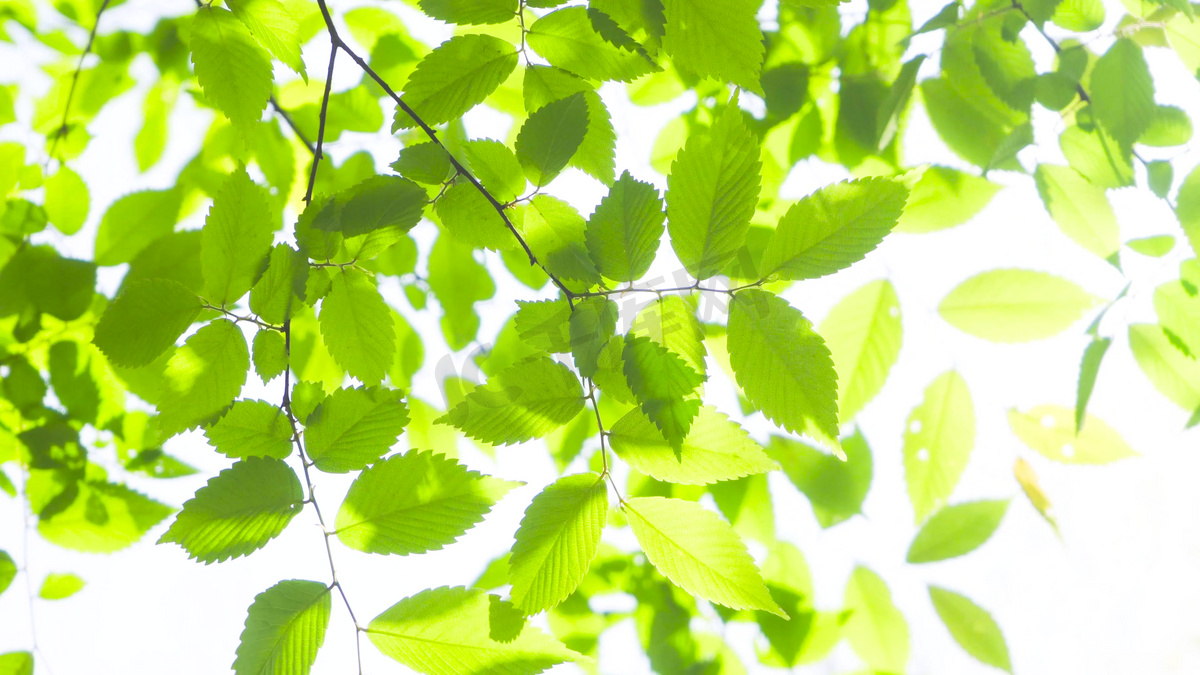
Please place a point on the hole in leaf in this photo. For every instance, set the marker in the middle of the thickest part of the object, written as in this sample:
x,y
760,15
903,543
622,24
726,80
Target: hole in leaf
x,y
923,455
1068,450
914,427
1048,421
894,312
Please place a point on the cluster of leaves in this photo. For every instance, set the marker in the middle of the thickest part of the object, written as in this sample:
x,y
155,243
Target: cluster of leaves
x,y
95,387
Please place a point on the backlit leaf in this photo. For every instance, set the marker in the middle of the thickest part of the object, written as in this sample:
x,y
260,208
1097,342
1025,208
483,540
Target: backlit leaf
x,y
863,333
876,629
567,39
938,439
203,376
285,626
274,27
972,627
145,320
352,428
252,429
1080,208
1014,305
944,198
527,400
233,70
1050,429
835,488
956,530
58,586
455,77
550,136
663,385
357,326
236,238
624,231
715,38
1122,91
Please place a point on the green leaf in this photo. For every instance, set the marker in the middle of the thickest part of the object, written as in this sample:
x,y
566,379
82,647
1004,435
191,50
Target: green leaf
x,y
972,627
8,570
280,292
60,586
454,631
545,324
459,282
624,231
252,429
557,541
554,231
285,626
66,200
37,279
1014,305
1050,430
1155,246
133,222
711,194
275,28
381,202
103,518
528,400
269,354
968,117
568,39
716,38
1173,373
16,663
470,12
356,325
550,136
1178,311
471,218
698,552
833,228
863,332
664,385
956,530
233,70
496,167
202,377
1170,126
1122,92
238,511
416,502
352,428
1080,208
876,629
671,322
1080,16
1187,209
1098,157
236,238
715,449
835,488
455,77
145,320
938,439
592,324
1089,368
426,163
783,366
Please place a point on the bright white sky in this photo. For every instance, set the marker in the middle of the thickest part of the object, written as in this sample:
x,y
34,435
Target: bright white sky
x,y
1117,594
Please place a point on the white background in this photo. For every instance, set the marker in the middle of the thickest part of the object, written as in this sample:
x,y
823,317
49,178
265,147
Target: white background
x,y
1118,593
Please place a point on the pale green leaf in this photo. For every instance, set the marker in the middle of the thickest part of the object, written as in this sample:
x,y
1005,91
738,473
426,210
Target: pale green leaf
x,y
1080,16
783,366
1050,429
237,236
352,428
285,626
624,231
58,586
1155,246
203,376
280,291
836,488
1089,368
238,511
938,439
16,663
699,552
129,515
716,38
956,530
715,449
269,354
472,219
252,429
545,324
8,570
356,325
944,198
1028,480
133,222
1170,126
455,77
554,231
453,631
470,12
863,333
972,627
671,322
275,28
550,136
416,502
233,70
527,400
66,200
1098,157
592,324
1015,305
496,167
380,202
567,39
1122,92
1080,208
711,194
1187,208
664,386
1178,313
145,320
833,228
557,541
876,629
458,281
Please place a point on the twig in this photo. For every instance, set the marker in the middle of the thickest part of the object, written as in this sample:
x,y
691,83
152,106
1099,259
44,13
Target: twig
x,y
318,152
62,128
287,118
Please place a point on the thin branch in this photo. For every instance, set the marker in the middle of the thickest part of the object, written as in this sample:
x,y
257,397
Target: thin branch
x,y
286,406
1083,95
603,439
318,152
287,118
238,318
62,128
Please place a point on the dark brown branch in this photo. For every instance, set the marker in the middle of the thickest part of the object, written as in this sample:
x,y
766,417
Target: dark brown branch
x,y
287,118
318,152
